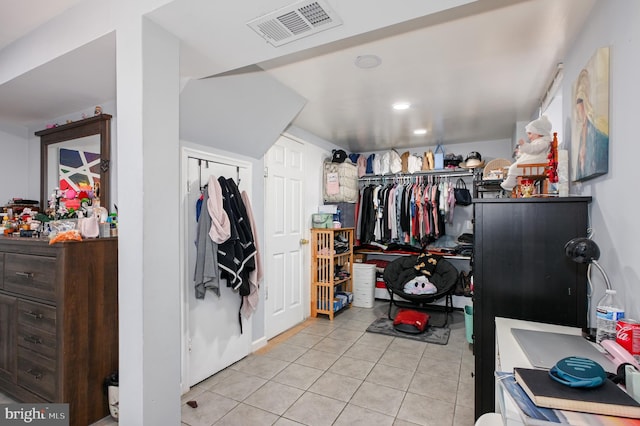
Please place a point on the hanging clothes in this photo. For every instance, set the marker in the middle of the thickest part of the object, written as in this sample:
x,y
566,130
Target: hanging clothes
x,y
250,301
236,256
199,203
412,210
451,200
226,245
405,222
368,219
399,198
220,229
206,275
391,217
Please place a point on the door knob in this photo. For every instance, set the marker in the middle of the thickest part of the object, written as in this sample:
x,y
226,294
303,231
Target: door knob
x,y
304,241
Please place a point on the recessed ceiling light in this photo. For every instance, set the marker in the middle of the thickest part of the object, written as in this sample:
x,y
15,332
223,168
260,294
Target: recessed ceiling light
x,y
367,61
401,105
420,132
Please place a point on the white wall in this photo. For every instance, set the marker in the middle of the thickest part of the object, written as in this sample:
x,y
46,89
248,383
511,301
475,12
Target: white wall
x,y
613,215
14,153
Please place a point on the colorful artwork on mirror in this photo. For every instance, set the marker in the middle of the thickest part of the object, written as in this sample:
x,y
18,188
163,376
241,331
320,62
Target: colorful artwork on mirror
x,y
79,176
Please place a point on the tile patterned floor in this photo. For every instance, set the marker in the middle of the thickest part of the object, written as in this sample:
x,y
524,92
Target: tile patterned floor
x,y
334,373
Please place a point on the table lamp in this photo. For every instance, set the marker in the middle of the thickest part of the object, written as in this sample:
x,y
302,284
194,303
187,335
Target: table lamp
x,y
585,250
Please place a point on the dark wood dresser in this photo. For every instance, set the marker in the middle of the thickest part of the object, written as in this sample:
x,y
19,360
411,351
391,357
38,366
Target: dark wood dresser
x,y
520,271
59,322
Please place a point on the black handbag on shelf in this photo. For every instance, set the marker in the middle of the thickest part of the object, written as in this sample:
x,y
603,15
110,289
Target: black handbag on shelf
x,y
461,193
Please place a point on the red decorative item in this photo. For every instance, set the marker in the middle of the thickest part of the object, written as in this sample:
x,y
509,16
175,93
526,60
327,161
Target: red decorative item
x,y
552,169
628,335
410,321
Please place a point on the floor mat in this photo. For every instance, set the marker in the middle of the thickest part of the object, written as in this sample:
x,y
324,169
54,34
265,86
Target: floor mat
x,y
437,335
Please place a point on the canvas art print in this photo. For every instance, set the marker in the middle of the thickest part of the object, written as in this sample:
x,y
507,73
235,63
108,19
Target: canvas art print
x,y
79,174
590,119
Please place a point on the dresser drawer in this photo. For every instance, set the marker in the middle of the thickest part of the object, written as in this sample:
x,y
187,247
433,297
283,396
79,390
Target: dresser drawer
x,y
37,315
1,270
30,275
37,373
37,328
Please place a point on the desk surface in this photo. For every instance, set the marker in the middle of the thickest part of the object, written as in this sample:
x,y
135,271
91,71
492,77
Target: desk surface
x,y
509,354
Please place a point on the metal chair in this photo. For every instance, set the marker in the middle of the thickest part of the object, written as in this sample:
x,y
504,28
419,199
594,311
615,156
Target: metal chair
x,y
401,270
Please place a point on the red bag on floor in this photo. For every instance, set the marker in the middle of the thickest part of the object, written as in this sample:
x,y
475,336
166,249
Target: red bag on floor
x,y
410,321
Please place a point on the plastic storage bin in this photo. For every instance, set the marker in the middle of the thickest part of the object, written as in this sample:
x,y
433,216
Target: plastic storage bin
x,y
468,322
364,284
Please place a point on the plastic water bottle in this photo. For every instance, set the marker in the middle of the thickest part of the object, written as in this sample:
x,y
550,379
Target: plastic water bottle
x,y
338,216
608,312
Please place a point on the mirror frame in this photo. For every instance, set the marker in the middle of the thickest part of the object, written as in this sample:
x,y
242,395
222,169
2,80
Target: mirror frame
x,y
97,125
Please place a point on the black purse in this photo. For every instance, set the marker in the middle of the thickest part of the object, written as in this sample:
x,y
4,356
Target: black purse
x,y
461,193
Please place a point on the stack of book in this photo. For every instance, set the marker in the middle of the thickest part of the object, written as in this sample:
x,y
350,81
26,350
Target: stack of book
x,y
541,400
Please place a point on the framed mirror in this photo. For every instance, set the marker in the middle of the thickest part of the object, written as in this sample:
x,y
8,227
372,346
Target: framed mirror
x,y
75,158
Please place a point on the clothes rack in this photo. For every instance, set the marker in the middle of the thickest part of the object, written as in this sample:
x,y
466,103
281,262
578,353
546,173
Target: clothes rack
x,y
430,173
200,161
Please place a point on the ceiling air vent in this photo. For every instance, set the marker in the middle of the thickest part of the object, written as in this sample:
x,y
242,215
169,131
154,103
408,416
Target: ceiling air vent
x,y
295,21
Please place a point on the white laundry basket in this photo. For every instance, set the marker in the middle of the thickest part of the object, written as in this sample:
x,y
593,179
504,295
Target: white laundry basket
x,y
364,284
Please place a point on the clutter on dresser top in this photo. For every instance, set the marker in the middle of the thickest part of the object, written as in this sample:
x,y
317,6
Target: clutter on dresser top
x,y
23,219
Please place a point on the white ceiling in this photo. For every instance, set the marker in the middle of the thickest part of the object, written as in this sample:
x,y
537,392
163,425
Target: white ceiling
x,y
471,69
20,17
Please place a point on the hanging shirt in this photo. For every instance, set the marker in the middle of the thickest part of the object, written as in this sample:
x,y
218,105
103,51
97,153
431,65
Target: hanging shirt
x,y
391,219
206,275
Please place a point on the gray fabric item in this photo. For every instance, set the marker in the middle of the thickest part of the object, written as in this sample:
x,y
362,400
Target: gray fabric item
x,y
437,335
255,276
206,275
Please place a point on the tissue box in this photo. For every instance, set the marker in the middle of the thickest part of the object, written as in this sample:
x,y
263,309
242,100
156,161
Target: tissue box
x,y
322,220
337,304
348,296
344,300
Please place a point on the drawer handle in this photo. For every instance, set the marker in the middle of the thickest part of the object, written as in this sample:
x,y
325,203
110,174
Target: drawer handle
x,y
35,315
33,339
25,274
35,373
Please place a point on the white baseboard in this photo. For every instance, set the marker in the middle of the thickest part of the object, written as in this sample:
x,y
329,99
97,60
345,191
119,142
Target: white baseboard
x,y
260,343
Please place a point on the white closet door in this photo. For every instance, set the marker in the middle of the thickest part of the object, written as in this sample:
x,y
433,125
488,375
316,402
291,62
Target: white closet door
x,y
287,277
214,341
